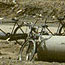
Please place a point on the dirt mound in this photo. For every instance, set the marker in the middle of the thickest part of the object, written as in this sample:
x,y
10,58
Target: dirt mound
x,y
45,8
5,8
34,8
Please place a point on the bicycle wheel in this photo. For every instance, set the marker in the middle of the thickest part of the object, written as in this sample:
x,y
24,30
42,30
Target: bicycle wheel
x,y
61,31
28,50
22,31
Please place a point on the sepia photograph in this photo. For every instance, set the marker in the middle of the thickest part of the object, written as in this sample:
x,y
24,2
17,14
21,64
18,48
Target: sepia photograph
x,y
32,32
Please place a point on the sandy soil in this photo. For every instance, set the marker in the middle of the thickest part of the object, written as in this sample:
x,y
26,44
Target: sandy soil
x,y
9,56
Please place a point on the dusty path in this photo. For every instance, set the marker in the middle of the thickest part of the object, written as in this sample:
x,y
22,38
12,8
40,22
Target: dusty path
x,y
9,54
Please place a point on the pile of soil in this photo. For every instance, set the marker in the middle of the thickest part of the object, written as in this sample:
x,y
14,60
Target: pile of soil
x,y
34,9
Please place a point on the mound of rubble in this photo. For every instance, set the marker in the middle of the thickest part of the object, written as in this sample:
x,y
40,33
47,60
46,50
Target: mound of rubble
x,y
34,9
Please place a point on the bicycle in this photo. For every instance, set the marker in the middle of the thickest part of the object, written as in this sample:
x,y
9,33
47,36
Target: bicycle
x,y
13,35
61,32
29,47
34,39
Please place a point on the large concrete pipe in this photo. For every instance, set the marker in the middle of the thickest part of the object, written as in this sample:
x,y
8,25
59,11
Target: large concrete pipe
x,y
52,49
